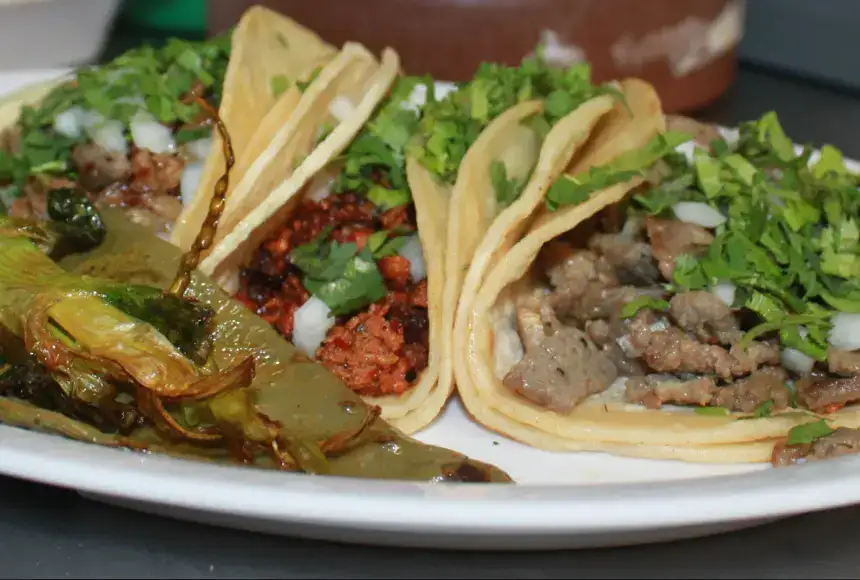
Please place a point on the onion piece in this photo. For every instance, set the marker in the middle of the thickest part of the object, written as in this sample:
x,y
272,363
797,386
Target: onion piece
x,y
797,362
845,333
68,123
190,181
414,252
699,213
725,291
199,150
148,133
320,186
311,323
341,108
109,135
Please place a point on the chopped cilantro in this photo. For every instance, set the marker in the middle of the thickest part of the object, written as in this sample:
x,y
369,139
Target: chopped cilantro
x,y
340,275
712,411
381,245
279,85
303,85
449,127
156,79
374,163
573,190
808,432
508,190
630,309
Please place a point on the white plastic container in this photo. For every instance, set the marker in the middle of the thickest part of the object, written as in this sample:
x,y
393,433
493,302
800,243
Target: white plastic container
x,y
38,34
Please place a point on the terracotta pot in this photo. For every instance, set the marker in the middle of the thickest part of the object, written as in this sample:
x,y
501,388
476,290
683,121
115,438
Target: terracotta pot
x,y
685,48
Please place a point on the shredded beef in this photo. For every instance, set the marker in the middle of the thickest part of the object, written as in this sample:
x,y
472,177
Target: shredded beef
x,y
843,441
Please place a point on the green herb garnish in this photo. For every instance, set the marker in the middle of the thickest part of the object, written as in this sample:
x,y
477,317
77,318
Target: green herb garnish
x,y
508,190
808,432
712,411
340,275
449,127
279,85
630,309
573,190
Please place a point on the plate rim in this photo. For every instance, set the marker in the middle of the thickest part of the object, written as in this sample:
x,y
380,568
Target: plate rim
x,y
450,508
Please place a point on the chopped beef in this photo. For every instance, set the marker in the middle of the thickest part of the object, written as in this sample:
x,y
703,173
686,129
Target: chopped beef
x,y
33,201
746,395
821,394
671,239
607,302
402,217
395,271
155,172
561,370
99,168
573,273
668,349
843,362
706,316
632,259
843,441
605,335
653,391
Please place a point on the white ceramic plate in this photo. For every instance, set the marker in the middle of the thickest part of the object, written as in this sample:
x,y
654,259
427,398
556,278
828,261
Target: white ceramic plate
x,y
562,500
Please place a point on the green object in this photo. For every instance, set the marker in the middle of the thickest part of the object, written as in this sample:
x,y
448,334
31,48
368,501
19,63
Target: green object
x,y
167,15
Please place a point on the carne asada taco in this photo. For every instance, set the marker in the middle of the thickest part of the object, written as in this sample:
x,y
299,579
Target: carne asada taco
x,y
133,133
477,152
698,309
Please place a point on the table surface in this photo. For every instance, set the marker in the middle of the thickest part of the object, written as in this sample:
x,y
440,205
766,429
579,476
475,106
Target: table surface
x,y
52,533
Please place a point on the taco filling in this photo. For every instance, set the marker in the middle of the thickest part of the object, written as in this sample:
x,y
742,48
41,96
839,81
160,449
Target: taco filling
x,y
344,277
131,134
727,284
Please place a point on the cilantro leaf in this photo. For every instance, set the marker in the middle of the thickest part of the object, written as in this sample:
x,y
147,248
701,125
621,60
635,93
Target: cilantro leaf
x,y
279,85
450,126
508,190
808,432
630,309
359,285
573,190
712,411
386,199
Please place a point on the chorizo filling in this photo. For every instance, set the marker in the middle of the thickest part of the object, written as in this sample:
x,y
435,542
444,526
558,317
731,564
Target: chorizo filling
x,y
344,276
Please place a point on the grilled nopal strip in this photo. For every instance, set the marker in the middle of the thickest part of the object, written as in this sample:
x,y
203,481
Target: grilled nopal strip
x,y
298,398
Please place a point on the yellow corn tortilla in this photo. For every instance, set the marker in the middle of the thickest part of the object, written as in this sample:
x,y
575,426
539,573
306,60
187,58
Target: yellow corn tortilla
x,y
602,422
265,45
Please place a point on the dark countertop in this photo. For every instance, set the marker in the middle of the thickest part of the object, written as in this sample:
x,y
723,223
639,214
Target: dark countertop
x,y
52,533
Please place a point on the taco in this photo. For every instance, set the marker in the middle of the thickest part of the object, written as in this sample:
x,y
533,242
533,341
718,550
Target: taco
x,y
388,219
699,309
133,133
332,109
481,150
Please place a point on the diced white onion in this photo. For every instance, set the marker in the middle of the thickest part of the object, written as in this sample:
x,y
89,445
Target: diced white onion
x,y
341,108
199,149
90,119
148,133
68,123
320,186
109,136
796,361
725,291
311,322
699,213
413,252
845,333
190,180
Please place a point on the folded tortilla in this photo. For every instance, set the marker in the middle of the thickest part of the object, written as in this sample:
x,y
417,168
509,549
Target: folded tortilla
x,y
486,340
266,47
